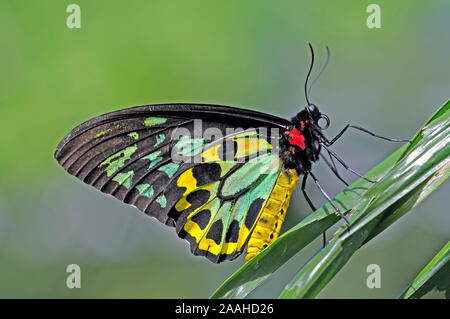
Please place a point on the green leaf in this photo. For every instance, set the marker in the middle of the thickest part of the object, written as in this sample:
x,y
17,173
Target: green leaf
x,y
435,275
419,171
254,272
258,269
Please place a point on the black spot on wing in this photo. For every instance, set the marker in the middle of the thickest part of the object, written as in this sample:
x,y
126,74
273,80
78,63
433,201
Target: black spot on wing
x,y
215,232
198,198
206,173
233,232
202,218
253,212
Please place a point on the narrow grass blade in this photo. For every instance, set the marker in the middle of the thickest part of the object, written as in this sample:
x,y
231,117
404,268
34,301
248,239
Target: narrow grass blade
x,y
435,275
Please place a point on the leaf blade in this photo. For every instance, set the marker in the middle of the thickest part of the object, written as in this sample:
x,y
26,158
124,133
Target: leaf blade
x,y
436,274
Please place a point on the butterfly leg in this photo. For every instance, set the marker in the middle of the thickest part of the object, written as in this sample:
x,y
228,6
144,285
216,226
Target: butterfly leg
x,y
328,143
329,198
332,166
345,165
305,177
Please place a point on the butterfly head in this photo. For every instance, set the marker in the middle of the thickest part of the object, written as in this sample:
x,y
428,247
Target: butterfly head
x,y
319,120
311,116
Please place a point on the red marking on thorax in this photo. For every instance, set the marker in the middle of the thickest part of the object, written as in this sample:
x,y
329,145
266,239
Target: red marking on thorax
x,y
296,138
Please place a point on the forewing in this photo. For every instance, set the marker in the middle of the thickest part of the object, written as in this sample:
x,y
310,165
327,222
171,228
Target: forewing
x,y
129,155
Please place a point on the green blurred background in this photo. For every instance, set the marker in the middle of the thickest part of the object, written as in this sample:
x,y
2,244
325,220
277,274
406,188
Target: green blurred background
x,y
251,54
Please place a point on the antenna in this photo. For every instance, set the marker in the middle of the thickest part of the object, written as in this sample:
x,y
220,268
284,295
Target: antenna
x,y
321,71
309,73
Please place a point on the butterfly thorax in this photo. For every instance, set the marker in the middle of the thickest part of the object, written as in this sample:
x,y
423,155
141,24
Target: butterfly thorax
x,y
299,145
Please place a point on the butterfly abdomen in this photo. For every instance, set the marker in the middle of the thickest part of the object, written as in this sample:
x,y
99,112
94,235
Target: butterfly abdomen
x,y
272,215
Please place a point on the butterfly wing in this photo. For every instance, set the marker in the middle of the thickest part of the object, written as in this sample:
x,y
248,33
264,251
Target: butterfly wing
x,y
129,154
222,202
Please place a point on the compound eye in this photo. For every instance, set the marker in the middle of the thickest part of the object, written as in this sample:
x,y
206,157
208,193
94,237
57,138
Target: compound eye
x,y
313,110
323,118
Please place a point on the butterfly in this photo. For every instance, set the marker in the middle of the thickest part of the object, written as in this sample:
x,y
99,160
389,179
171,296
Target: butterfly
x,y
221,176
